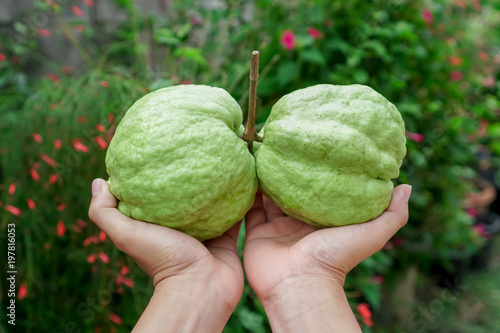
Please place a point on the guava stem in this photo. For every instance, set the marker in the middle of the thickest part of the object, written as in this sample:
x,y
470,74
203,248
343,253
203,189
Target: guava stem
x,y
250,134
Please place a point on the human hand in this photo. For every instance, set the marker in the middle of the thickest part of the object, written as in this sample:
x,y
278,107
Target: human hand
x,y
204,280
295,268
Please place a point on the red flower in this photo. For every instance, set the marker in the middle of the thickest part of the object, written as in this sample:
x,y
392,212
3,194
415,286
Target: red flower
x,y
456,76
44,32
89,3
2,57
111,117
78,12
53,178
417,137
13,210
57,144
79,27
61,207
489,81
53,77
79,146
23,291
61,228
100,128
81,119
104,84
427,15
483,56
12,188
35,175
102,236
31,204
91,239
186,82
77,228
91,258
114,318
378,279
455,60
104,258
314,33
37,137
364,311
102,144
48,160
81,223
288,40
65,69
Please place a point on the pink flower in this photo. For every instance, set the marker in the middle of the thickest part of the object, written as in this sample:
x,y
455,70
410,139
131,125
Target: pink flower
x,y
489,81
417,137
57,144
472,211
100,141
288,40
91,258
378,279
2,57
427,15
53,178
81,223
481,231
12,188
483,56
364,311
35,175
31,204
102,236
44,33
104,84
13,210
53,77
61,228
79,27
100,128
89,3
48,160
104,258
61,207
23,291
37,137
186,82
455,60
78,12
456,76
314,33
114,318
79,146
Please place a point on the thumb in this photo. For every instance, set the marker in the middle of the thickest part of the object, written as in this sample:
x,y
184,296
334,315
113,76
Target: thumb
x,y
104,214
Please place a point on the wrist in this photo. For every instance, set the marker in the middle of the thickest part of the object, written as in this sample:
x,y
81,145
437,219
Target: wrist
x,y
186,305
310,305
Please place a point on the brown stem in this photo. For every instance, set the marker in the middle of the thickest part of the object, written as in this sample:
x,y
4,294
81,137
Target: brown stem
x,y
250,134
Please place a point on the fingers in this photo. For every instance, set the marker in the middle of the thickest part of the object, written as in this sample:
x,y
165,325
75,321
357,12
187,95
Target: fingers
x,y
377,232
227,240
272,211
256,215
104,214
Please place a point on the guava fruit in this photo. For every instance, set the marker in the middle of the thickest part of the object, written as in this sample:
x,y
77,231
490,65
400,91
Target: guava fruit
x,y
329,153
176,160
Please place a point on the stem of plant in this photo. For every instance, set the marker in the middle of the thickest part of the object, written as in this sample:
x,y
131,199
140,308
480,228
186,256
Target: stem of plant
x,y
250,134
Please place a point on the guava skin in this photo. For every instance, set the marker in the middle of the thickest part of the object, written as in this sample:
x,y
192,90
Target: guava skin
x,y
329,153
176,160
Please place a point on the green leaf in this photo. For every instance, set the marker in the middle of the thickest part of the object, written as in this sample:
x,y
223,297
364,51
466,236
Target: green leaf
x,y
191,53
166,36
371,292
287,72
314,56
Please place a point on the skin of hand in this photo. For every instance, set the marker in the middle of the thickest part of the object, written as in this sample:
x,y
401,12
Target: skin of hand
x,y
298,270
197,285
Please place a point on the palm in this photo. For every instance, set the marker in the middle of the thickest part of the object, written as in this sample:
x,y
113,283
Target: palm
x,y
279,247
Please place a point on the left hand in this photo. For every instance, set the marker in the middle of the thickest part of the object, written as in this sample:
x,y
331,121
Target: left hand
x,y
175,261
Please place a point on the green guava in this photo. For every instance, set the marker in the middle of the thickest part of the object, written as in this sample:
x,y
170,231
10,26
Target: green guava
x,y
329,153
176,160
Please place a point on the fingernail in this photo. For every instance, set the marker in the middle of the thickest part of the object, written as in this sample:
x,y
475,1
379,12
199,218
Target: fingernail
x,y
96,187
407,192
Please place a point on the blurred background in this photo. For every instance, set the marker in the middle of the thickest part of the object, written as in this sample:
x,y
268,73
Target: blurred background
x,y
69,70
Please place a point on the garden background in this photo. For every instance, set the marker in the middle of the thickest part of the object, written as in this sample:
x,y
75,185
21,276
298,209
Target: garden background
x,y
69,70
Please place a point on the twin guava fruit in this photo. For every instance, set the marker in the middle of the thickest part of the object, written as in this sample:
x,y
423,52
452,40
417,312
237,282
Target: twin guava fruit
x,y
327,157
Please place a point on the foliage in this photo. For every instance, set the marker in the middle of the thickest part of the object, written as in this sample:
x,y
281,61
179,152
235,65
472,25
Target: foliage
x,y
435,61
